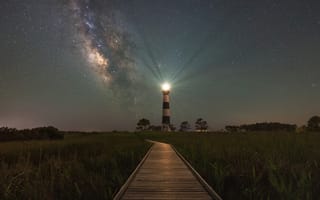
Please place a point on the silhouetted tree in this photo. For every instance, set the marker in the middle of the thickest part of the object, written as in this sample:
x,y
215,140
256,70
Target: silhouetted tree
x,y
232,128
314,123
143,124
201,125
172,127
184,126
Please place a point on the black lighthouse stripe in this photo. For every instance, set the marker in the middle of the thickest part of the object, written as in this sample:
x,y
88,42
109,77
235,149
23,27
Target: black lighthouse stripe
x,y
165,105
165,119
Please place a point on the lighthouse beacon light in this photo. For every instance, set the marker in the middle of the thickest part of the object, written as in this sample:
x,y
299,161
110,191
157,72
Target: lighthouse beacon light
x,y
165,87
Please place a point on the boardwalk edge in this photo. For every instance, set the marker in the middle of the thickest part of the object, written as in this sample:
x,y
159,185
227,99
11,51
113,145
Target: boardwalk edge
x,y
209,189
131,177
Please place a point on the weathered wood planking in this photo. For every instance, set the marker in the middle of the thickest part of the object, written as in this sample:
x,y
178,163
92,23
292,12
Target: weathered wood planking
x,y
163,175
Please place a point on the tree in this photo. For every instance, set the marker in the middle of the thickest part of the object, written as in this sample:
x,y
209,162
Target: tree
x,y
143,124
232,128
172,127
201,125
314,123
184,126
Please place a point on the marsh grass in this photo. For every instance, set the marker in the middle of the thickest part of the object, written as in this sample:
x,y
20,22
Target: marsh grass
x,y
82,166
253,165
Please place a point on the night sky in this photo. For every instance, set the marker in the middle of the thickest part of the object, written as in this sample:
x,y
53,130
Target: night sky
x,y
98,64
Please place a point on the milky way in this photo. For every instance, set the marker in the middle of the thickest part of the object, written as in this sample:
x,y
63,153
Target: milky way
x,y
104,42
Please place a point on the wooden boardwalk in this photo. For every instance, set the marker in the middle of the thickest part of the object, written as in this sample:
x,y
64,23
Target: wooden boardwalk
x,y
164,174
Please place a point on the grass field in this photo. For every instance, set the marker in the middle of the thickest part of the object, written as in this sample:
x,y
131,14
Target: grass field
x,y
94,166
253,165
81,166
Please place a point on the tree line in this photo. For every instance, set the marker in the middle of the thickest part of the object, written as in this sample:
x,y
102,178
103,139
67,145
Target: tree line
x,y
200,125
40,133
313,124
273,126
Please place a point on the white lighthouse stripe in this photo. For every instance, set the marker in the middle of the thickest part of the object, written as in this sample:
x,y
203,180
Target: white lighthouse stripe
x,y
166,112
166,98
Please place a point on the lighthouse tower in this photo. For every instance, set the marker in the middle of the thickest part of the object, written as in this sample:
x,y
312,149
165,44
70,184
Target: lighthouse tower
x,y
166,108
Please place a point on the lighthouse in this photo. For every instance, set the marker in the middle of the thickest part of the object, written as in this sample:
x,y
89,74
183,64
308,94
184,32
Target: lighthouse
x,y
166,107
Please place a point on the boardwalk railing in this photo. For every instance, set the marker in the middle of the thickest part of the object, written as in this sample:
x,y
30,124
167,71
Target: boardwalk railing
x,y
209,189
131,177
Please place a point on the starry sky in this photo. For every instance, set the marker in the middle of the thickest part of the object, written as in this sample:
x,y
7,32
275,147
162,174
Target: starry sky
x,y
98,64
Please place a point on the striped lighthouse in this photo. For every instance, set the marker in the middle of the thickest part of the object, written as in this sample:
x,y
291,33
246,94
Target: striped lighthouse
x,y
166,108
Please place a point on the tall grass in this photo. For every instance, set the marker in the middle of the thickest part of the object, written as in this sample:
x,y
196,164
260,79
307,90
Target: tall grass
x,y
253,165
78,167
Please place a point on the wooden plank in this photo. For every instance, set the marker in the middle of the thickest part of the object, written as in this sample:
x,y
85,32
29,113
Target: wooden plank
x,y
163,175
